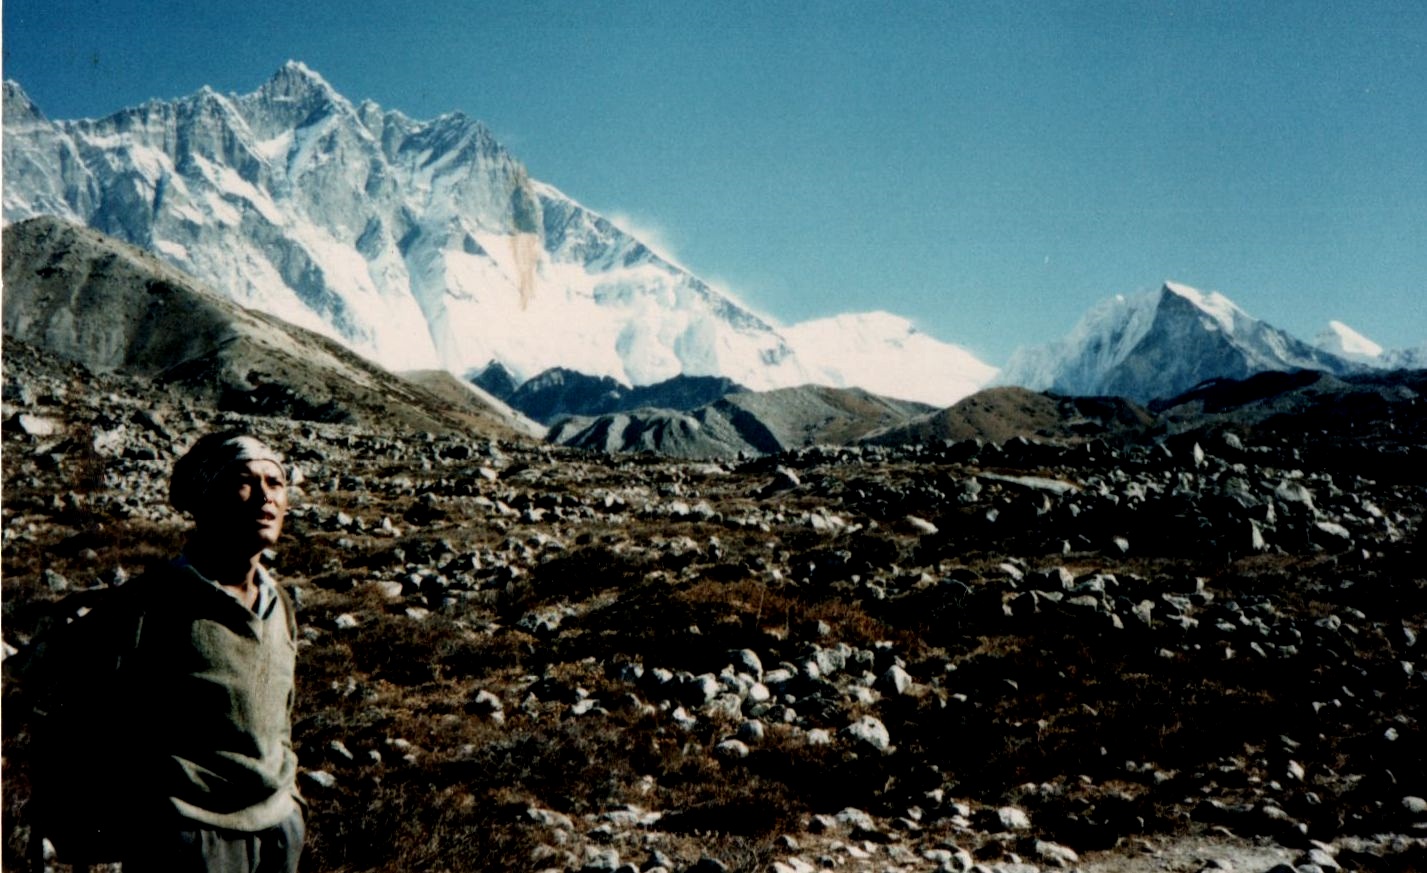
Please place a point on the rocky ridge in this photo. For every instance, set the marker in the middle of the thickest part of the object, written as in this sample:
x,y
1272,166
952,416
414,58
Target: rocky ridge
x,y
559,393
999,414
113,308
1197,652
740,423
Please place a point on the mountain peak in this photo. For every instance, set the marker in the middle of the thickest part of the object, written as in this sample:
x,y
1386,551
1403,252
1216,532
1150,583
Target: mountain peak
x,y
1159,345
1339,339
295,80
299,70
421,244
18,105
1211,303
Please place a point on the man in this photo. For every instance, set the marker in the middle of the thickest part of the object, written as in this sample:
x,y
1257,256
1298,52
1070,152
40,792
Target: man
x,y
203,661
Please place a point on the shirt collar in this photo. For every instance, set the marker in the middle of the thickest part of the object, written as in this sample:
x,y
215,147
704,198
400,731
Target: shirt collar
x,y
267,588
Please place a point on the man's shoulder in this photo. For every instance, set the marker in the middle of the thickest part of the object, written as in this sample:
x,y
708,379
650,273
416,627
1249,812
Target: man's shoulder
x,y
82,637
142,592
113,611
93,606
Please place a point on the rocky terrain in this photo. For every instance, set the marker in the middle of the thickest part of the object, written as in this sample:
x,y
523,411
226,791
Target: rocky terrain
x,y
1190,646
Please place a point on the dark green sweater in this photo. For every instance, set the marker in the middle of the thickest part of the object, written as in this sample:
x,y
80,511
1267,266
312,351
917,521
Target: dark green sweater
x,y
213,684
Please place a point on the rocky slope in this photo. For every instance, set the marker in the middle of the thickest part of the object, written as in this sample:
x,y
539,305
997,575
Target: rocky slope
x,y
1189,653
113,308
1384,413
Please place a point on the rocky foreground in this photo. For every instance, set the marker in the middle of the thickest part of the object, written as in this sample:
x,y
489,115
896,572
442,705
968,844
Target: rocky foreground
x,y
1191,653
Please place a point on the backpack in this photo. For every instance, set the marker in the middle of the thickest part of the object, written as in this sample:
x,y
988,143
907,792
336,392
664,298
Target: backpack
x,y
82,794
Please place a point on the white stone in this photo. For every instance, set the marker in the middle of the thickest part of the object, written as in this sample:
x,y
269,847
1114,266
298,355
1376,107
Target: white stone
x,y
868,730
921,525
1013,818
747,661
320,778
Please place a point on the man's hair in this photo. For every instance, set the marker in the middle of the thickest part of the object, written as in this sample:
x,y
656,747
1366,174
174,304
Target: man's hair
x,y
196,471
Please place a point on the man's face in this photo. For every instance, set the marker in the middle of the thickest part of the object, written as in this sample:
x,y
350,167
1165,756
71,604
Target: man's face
x,y
248,502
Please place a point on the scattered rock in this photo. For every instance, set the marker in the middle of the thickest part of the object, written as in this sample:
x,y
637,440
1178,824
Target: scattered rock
x,y
869,731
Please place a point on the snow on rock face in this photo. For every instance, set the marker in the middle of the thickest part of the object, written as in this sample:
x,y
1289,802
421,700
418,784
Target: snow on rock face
x,y
1161,344
1221,309
417,243
1406,359
420,244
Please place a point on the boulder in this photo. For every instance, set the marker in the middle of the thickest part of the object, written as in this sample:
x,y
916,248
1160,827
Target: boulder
x,y
869,732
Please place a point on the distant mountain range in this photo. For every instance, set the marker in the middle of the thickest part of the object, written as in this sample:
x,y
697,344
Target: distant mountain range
x,y
72,293
558,392
1343,341
1162,344
424,244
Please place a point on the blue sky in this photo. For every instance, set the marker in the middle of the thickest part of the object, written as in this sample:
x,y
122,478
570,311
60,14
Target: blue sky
x,y
989,170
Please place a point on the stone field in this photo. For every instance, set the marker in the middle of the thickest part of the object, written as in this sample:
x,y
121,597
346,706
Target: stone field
x,y
1192,651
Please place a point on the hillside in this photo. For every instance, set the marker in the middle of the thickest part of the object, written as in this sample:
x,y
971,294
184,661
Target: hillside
x,y
1000,414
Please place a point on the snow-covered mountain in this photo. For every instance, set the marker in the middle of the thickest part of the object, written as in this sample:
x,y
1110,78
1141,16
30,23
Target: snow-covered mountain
x,y
1160,344
1339,339
1345,342
1405,359
417,243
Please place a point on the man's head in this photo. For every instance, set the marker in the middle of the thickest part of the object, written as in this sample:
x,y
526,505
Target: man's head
x,y
235,487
